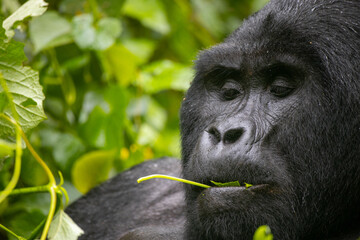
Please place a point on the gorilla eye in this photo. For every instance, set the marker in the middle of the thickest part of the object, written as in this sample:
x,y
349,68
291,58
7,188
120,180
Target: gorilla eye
x,y
281,88
230,94
230,91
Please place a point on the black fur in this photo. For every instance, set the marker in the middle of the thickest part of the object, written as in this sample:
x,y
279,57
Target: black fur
x,y
277,105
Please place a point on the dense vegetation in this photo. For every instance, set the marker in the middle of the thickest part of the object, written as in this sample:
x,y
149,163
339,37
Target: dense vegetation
x,y
109,77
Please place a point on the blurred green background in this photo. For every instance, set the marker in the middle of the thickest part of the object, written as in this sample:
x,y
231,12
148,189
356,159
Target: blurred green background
x,y
114,73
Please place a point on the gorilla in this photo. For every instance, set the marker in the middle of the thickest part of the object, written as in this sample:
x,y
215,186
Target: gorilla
x,y
277,105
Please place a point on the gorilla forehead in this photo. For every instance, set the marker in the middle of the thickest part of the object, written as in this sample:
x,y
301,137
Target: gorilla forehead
x,y
312,30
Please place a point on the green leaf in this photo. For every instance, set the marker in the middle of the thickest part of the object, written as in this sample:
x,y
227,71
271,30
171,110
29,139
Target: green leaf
x,y
108,29
111,7
263,233
147,134
102,118
121,63
3,102
23,84
49,30
99,37
150,13
31,8
66,148
92,169
227,184
6,149
141,48
83,31
164,75
23,222
63,227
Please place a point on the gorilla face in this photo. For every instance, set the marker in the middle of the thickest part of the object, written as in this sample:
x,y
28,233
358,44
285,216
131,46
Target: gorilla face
x,y
277,106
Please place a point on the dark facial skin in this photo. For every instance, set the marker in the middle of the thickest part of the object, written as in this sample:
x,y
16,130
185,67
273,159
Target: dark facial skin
x,y
277,105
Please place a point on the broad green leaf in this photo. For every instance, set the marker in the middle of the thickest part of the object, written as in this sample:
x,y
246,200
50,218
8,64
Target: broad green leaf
x,y
258,4
108,29
102,118
227,184
121,63
31,8
156,116
208,13
32,174
99,37
83,31
6,149
150,13
164,75
141,48
3,101
10,5
111,7
65,147
49,30
63,227
168,143
263,233
23,222
23,84
91,169
148,108
147,134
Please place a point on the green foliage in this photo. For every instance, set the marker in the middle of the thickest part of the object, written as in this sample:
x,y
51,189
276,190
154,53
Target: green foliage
x,y
227,184
114,74
23,84
263,233
63,227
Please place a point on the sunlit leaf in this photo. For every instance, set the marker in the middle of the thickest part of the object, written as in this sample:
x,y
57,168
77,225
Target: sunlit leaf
x,y
208,12
165,75
23,84
92,169
68,88
31,8
263,233
108,29
141,48
6,149
3,102
147,134
103,117
121,63
99,36
49,30
150,13
83,30
65,147
226,184
63,227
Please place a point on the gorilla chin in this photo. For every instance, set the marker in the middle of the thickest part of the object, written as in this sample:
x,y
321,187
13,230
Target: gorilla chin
x,y
229,212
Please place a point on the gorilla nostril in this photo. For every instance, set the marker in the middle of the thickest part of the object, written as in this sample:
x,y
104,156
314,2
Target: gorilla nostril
x,y
232,135
214,135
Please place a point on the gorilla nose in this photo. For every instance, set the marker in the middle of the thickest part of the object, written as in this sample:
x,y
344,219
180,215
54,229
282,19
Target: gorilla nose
x,y
229,136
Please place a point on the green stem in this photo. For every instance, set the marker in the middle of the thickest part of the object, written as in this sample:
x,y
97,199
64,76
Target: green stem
x,y
11,232
172,178
37,189
17,164
51,187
